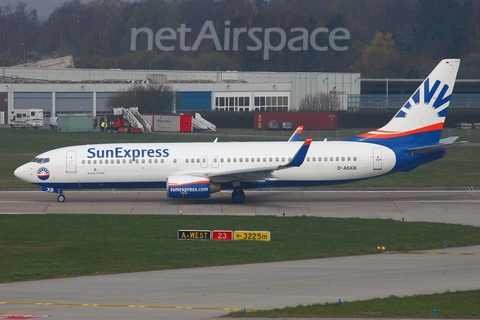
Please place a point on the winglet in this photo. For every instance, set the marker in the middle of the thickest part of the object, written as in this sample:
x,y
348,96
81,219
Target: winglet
x,y
299,157
296,135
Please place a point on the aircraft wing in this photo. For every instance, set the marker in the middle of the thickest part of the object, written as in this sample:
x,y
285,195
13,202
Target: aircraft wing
x,y
442,145
259,172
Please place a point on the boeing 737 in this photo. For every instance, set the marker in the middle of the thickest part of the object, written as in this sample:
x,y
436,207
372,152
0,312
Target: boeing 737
x,y
196,170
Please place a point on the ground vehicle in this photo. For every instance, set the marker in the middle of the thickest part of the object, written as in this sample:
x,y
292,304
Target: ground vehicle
x,y
26,118
131,121
122,125
272,125
286,125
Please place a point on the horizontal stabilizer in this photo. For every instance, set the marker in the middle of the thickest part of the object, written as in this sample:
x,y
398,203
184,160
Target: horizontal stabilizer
x,y
442,145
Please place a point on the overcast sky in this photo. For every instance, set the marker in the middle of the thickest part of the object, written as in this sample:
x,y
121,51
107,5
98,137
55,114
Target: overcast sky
x,y
44,7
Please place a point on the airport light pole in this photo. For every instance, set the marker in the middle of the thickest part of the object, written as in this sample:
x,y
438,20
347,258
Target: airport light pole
x,y
24,61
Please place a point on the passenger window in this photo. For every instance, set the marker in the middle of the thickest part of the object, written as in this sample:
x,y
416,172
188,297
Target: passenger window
x,y
162,160
348,159
143,160
258,159
246,159
221,160
155,161
186,160
331,158
174,160
240,160
308,159
83,161
325,159
118,161
314,159
130,161
276,159
270,159
354,158
234,159
343,158
124,161
264,159
283,159
337,159
253,159
89,161
228,159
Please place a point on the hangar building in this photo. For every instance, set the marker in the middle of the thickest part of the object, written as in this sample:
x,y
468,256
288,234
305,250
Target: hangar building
x,y
58,88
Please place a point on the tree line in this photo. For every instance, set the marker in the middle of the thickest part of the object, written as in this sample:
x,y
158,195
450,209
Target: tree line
x,y
394,39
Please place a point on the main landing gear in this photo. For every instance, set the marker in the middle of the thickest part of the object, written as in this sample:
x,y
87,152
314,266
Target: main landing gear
x,y
238,196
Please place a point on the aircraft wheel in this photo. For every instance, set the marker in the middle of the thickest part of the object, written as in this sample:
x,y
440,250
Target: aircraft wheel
x,y
238,196
61,198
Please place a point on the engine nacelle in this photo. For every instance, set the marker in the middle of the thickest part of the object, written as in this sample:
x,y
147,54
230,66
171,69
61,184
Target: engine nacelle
x,y
190,187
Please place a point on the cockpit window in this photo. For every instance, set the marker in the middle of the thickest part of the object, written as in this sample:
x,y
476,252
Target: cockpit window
x,y
41,160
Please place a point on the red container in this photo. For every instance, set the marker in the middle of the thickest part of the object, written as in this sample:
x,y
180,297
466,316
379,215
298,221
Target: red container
x,y
309,120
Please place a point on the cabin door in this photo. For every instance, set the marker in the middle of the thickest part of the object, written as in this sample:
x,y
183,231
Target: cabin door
x,y
377,159
71,162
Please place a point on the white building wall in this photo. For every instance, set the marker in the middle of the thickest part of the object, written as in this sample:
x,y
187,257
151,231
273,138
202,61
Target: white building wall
x,y
299,84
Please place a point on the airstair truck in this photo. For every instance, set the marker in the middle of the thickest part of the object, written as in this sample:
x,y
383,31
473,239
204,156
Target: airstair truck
x,y
26,118
131,121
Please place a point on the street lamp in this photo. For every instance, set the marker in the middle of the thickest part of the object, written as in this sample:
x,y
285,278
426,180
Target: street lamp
x,y
24,61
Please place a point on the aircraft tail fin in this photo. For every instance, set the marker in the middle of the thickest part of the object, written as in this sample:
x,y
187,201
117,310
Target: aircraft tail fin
x,y
421,118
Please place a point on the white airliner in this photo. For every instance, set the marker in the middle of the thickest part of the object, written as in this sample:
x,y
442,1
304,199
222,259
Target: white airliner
x,y
196,170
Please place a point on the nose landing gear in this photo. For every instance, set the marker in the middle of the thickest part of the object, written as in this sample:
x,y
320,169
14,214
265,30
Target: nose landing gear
x,y
61,198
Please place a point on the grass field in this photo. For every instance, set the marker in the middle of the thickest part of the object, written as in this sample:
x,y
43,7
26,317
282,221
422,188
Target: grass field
x,y
51,246
450,305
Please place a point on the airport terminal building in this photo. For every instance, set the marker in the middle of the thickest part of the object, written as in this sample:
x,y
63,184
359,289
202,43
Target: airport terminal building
x,y
63,89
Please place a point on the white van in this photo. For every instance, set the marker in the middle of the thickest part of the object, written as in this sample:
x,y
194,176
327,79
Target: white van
x,y
26,118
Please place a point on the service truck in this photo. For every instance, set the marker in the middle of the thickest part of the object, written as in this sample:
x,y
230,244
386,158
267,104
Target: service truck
x,y
26,118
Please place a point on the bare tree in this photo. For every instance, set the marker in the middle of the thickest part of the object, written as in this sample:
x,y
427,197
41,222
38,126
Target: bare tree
x,y
321,101
149,98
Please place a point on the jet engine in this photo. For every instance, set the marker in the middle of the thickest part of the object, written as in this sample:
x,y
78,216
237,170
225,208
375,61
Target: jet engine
x,y
190,187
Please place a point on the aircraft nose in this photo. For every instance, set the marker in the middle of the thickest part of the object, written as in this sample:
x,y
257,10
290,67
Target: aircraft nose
x,y
24,172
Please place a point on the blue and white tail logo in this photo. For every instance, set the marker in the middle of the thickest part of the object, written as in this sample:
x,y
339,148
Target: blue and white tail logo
x,y
422,117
